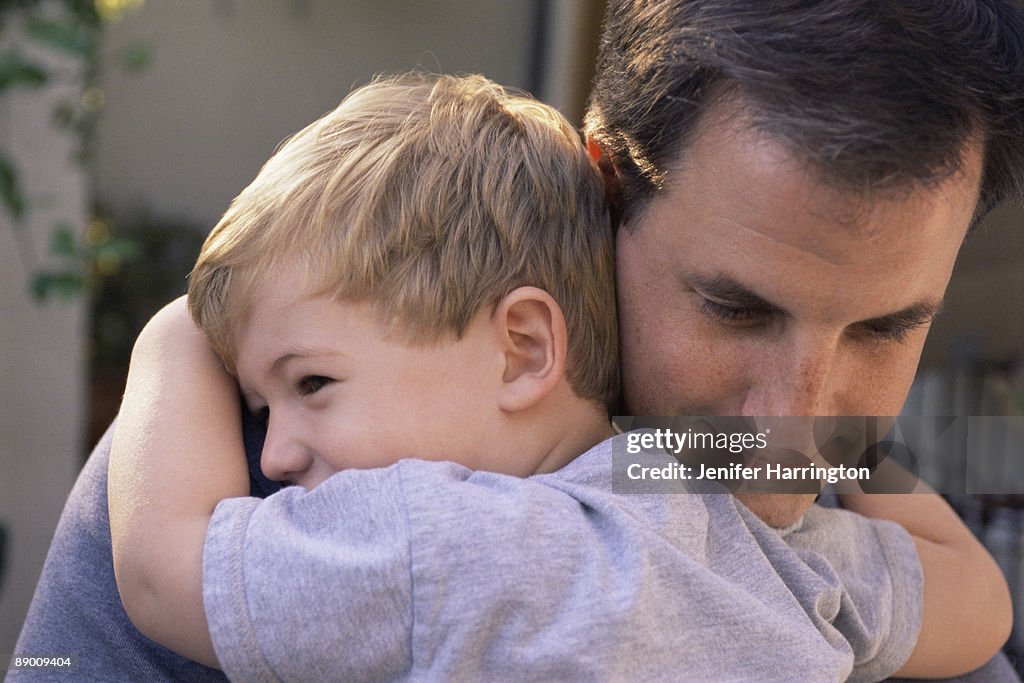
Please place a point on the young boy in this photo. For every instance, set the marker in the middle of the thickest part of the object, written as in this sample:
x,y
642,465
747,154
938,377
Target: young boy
x,y
416,295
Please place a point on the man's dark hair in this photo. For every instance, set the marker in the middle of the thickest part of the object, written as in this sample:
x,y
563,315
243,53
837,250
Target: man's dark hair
x,y
875,94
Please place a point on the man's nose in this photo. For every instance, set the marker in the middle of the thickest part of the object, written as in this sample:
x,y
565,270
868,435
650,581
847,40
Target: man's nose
x,y
284,456
798,377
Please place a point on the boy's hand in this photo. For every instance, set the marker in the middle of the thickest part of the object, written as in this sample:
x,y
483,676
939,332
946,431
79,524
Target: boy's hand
x,y
967,612
177,451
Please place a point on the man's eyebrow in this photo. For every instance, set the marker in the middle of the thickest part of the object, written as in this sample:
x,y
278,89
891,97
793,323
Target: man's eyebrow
x,y
728,290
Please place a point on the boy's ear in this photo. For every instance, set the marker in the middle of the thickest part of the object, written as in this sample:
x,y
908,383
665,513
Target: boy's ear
x,y
534,342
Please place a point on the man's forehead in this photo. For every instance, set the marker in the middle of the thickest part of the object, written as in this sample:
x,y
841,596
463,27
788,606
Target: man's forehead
x,y
847,157
734,174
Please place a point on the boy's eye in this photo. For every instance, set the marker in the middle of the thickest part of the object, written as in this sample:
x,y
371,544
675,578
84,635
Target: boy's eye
x,y
310,384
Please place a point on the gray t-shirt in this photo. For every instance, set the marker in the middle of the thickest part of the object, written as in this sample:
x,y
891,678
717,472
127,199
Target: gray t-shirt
x,y
430,571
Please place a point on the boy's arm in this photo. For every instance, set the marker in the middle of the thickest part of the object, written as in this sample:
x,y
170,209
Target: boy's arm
x,y
966,613
177,451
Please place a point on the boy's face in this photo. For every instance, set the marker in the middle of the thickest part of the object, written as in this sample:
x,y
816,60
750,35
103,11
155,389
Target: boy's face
x,y
339,393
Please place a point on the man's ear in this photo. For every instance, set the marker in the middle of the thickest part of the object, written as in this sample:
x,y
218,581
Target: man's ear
x,y
609,174
533,340
601,159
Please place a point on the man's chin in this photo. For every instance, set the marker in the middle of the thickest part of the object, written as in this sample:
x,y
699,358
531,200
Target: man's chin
x,y
777,509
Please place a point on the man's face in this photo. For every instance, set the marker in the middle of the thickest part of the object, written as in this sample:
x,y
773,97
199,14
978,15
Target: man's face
x,y
748,287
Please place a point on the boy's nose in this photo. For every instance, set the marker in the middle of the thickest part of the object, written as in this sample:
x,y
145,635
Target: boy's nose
x,y
284,457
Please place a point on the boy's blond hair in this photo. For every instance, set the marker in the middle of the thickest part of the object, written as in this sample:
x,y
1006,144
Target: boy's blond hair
x,y
431,197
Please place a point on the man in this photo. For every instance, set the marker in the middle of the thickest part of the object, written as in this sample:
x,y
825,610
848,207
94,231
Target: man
x,y
794,181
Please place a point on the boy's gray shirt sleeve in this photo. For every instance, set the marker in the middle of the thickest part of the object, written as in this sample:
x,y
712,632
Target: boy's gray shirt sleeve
x,y
881,607
285,598
427,571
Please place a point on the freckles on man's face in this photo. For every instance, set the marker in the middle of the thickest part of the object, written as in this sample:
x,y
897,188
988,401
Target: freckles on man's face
x,y
748,287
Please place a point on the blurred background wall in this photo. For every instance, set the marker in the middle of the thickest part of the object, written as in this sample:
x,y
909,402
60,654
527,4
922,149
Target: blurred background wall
x,y
219,84
228,80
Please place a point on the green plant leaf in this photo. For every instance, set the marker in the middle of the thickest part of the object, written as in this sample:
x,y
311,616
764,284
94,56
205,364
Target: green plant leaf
x,y
137,56
84,11
64,283
64,115
63,241
15,71
123,248
10,189
62,35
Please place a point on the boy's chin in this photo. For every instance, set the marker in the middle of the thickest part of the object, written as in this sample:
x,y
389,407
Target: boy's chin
x,y
777,509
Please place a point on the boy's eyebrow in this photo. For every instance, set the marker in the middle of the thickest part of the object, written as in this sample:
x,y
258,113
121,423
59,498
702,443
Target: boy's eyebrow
x,y
302,352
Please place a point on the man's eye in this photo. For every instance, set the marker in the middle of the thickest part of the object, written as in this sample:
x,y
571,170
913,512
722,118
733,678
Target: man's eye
x,y
731,314
310,384
890,333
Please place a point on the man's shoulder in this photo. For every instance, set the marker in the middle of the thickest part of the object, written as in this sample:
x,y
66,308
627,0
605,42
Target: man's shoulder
x,y
76,608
